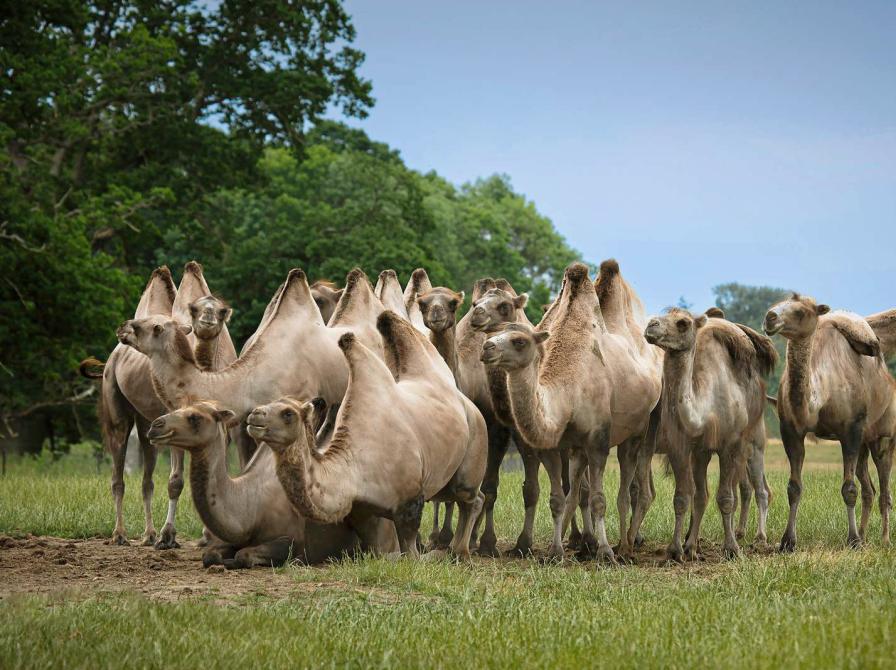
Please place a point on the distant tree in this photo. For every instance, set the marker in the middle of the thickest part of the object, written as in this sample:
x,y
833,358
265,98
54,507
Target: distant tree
x,y
747,304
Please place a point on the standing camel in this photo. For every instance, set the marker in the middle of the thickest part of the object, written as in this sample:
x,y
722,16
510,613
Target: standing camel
x,y
836,385
713,402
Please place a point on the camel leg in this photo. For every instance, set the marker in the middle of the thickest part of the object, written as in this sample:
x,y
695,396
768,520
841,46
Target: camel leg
x,y
446,534
851,445
795,449
217,552
646,493
270,554
498,443
597,461
168,539
730,468
407,524
563,512
118,444
680,462
746,494
531,492
627,453
468,509
864,477
699,464
882,453
149,466
433,541
758,484
575,535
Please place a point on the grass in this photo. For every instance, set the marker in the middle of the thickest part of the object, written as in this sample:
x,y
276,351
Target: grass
x,y
825,606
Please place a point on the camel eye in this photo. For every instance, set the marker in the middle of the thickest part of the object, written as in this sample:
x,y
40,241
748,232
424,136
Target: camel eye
x,y
194,420
519,344
287,415
222,313
682,324
504,308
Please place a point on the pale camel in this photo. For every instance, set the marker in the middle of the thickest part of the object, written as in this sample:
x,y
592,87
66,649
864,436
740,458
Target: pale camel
x,y
588,390
884,326
417,285
250,516
713,401
836,385
195,304
292,353
404,435
438,310
326,296
388,290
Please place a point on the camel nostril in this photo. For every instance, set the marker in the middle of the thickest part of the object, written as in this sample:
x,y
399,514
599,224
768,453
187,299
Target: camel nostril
x,y
488,345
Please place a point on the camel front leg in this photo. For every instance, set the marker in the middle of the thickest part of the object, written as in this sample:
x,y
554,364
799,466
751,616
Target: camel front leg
x,y
468,509
680,461
597,461
882,453
270,555
730,467
407,524
627,453
563,511
118,445
699,464
851,445
446,534
645,492
498,443
149,466
867,486
756,474
531,493
168,539
795,448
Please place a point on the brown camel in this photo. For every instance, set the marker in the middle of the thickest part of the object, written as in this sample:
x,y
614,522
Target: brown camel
x,y
435,450
250,516
292,353
586,389
884,326
438,310
326,295
127,398
836,385
713,402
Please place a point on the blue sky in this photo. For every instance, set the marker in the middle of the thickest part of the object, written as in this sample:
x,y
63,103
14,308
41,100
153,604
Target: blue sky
x,y
697,146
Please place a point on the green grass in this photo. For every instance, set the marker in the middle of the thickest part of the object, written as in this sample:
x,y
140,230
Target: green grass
x,y
825,606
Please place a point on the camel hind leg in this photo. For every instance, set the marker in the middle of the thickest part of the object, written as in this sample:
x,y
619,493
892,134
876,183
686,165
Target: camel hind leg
x,y
446,533
851,446
531,493
149,466
407,524
699,463
469,505
627,452
730,468
882,453
755,473
168,538
498,443
795,448
270,555
867,486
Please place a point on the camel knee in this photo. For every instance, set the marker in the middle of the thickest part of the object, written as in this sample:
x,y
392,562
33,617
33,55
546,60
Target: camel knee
x,y
557,504
531,492
886,502
148,486
598,504
680,503
794,491
725,501
175,486
117,488
850,493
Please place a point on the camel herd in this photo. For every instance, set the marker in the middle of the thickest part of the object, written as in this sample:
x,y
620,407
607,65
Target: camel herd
x,y
350,408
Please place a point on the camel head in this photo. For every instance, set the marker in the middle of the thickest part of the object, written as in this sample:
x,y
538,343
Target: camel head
x,y
325,295
193,428
795,317
514,348
208,315
157,335
495,308
439,307
676,330
283,422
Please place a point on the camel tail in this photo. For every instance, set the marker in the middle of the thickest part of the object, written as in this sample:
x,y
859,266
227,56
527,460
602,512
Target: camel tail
x,y
88,368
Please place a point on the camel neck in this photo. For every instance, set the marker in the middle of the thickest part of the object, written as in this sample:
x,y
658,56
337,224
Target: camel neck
x,y
206,351
798,376
445,343
308,484
530,417
678,385
221,502
500,395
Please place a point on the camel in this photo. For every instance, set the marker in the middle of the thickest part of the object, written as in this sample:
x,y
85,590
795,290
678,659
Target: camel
x,y
835,384
437,308
713,402
388,290
584,388
195,304
435,451
127,398
250,516
417,285
291,353
326,295
884,326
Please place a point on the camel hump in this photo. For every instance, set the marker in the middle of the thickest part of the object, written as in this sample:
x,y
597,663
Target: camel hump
x,y
482,286
884,326
405,354
857,331
766,354
87,368
388,291
366,370
193,267
504,285
158,296
609,268
715,313
192,287
736,342
358,304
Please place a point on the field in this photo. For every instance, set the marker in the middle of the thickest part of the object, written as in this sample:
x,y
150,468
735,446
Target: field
x,y
68,599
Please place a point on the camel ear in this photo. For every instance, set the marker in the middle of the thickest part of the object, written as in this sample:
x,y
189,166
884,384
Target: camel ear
x,y
520,301
185,328
194,310
700,321
540,336
822,309
157,329
460,297
225,313
225,416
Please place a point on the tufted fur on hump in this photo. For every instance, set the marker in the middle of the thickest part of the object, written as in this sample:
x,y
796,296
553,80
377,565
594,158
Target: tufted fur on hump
x,y
766,354
736,342
715,313
856,330
884,326
159,295
482,286
406,355
358,304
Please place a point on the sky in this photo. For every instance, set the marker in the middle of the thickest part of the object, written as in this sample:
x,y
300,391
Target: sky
x,y
709,143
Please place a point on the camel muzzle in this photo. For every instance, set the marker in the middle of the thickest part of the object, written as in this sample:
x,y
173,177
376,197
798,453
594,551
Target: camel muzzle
x,y
157,431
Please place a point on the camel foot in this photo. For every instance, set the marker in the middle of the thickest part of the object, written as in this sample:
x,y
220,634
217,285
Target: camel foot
x,y
120,539
605,555
167,540
731,552
788,543
739,534
487,548
675,553
624,554
854,542
522,548
443,541
588,548
639,541
432,542
575,540
149,538
760,541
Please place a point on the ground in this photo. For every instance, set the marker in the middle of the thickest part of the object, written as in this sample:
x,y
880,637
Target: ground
x,y
67,597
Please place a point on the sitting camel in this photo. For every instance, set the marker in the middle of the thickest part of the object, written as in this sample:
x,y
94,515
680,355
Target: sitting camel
x,y
713,401
583,388
250,516
127,397
836,385
403,435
